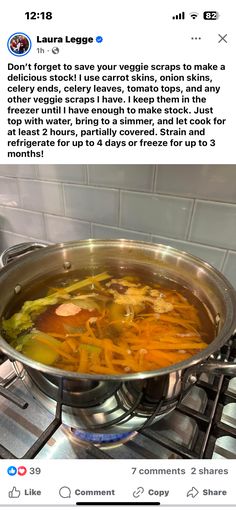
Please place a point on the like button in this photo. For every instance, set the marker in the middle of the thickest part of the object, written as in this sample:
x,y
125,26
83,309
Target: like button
x,y
14,493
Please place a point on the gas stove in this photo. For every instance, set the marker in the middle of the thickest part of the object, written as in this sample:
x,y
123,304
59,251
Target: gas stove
x,y
202,426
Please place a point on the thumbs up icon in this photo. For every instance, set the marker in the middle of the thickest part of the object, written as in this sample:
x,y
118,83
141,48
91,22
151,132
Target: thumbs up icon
x,y
14,493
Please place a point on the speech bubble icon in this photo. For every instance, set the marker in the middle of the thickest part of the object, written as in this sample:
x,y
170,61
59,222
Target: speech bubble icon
x,y
65,492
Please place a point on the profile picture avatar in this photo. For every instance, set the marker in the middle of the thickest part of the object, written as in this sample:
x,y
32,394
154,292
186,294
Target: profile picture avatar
x,y
19,44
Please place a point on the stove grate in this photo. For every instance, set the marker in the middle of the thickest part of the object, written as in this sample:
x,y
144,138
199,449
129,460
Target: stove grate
x,y
43,438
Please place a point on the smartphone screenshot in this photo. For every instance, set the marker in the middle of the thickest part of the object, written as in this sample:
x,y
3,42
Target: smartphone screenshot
x,y
117,254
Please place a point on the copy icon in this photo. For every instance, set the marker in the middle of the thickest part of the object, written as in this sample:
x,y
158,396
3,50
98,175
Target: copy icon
x,y
138,492
14,493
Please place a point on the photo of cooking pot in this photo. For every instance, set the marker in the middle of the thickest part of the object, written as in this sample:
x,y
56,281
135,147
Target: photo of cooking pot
x,y
116,403
117,311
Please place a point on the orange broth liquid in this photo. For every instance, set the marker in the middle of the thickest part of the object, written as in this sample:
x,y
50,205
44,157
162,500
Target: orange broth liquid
x,y
109,336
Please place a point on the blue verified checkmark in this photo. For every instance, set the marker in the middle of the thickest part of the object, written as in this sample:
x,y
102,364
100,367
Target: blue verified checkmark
x,y
99,39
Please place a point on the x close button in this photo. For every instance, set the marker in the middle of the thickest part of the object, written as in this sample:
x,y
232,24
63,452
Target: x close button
x,y
222,38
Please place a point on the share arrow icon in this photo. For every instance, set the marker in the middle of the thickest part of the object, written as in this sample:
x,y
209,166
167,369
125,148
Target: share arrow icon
x,y
192,492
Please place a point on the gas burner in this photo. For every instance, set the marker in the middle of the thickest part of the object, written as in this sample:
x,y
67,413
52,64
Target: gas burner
x,y
99,440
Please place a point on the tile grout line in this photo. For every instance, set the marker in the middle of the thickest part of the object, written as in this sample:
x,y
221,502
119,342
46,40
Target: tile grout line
x,y
36,171
224,259
19,193
188,230
119,210
154,184
63,199
87,175
45,226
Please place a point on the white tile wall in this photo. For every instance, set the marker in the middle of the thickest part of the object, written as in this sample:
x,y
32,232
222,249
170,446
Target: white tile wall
x,y
104,232
65,173
92,204
42,196
22,222
18,170
212,182
134,177
9,193
229,268
214,223
192,208
60,229
155,214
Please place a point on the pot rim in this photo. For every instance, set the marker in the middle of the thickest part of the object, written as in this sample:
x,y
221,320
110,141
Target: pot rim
x,y
223,336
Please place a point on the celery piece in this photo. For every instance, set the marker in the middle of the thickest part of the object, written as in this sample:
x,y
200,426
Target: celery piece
x,y
38,305
84,283
18,323
22,321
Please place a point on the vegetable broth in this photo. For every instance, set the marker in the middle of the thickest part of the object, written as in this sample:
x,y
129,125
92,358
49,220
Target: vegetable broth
x,y
120,321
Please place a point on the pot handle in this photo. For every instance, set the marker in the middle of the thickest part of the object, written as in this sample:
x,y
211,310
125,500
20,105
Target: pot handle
x,y
222,367
208,366
19,250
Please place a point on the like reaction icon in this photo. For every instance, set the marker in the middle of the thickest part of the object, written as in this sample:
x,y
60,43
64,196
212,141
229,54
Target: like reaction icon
x,y
12,470
14,493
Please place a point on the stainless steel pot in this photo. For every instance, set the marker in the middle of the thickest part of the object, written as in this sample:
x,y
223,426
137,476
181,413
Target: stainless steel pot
x,y
116,404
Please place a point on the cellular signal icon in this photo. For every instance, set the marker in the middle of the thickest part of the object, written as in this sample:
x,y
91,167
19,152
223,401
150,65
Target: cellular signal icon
x,y
181,15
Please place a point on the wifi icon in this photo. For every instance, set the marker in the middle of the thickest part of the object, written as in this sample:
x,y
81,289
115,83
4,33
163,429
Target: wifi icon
x,y
194,15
